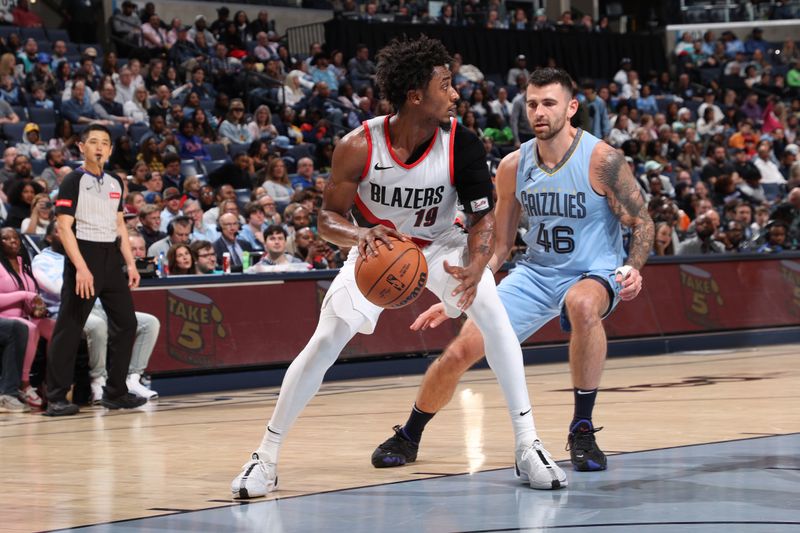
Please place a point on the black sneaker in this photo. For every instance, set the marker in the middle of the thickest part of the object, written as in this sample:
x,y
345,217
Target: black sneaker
x,y
583,450
126,401
395,451
61,408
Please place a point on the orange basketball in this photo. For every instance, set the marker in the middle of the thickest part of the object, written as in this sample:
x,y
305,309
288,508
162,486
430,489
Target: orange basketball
x,y
394,278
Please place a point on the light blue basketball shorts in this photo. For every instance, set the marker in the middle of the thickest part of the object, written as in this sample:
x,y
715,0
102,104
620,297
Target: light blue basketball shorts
x,y
535,294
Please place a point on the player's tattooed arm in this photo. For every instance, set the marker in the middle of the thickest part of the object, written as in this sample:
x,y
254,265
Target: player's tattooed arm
x,y
481,238
626,201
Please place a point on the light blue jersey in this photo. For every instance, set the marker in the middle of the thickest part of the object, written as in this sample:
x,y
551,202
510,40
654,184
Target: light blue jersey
x,y
573,236
571,227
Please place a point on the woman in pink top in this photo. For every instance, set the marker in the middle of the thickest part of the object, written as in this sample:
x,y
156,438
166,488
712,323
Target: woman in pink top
x,y
20,300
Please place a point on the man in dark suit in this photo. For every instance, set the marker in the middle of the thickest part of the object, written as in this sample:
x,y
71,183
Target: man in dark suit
x,y
228,243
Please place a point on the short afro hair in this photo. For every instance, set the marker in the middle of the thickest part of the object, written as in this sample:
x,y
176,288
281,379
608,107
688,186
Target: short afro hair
x,y
407,64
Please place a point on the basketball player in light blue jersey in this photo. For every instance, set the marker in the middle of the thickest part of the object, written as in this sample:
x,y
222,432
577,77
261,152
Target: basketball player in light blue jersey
x,y
576,191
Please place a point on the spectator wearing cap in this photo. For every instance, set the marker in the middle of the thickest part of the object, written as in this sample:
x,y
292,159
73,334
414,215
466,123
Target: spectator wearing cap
x,y
234,128
652,169
127,25
172,207
520,68
178,232
40,74
131,216
31,144
541,22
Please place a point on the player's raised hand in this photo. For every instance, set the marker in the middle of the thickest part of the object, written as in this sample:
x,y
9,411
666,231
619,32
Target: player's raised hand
x,y
430,318
368,240
631,281
468,288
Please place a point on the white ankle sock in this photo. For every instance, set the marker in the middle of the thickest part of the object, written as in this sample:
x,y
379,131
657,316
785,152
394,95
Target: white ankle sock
x,y
524,428
270,445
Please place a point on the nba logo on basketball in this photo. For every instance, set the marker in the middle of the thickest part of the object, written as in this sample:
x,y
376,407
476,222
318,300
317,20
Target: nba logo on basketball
x,y
790,272
193,325
701,297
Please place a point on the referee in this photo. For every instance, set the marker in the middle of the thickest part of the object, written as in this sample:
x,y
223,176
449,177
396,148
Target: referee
x,y
92,229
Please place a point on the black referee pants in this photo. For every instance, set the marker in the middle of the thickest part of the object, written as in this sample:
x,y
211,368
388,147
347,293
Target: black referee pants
x,y
106,264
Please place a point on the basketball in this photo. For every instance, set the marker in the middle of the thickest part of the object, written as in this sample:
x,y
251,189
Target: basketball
x,y
394,278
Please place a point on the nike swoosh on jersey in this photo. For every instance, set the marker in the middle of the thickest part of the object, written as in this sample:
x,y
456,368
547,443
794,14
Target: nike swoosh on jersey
x,y
378,167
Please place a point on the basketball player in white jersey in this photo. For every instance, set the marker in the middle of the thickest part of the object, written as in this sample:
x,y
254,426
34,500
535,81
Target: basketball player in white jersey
x,y
576,190
406,174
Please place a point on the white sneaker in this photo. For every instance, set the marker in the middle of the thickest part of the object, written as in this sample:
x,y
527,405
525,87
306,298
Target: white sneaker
x,y
135,386
10,404
97,389
256,479
535,465
31,397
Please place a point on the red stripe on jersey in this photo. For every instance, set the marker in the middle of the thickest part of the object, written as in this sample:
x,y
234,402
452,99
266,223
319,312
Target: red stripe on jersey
x,y
453,125
391,150
63,203
372,219
369,151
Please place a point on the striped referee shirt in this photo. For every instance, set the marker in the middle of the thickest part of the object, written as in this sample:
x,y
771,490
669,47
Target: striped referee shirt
x,y
94,201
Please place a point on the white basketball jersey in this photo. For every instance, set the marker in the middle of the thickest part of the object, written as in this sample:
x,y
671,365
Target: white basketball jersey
x,y
420,199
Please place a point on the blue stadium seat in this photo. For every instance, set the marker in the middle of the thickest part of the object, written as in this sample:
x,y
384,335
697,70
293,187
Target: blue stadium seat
x,y
5,31
38,166
13,132
41,116
211,166
217,152
34,33
234,149
47,131
137,131
73,49
190,167
20,111
57,34
117,131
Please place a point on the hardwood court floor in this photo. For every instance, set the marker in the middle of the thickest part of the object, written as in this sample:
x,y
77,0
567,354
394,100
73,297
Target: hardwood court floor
x,y
182,452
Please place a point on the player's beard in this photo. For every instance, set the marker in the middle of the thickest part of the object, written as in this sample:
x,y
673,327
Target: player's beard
x,y
554,129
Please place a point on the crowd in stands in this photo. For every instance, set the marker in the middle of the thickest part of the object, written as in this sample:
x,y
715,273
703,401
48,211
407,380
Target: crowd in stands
x,y
224,140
